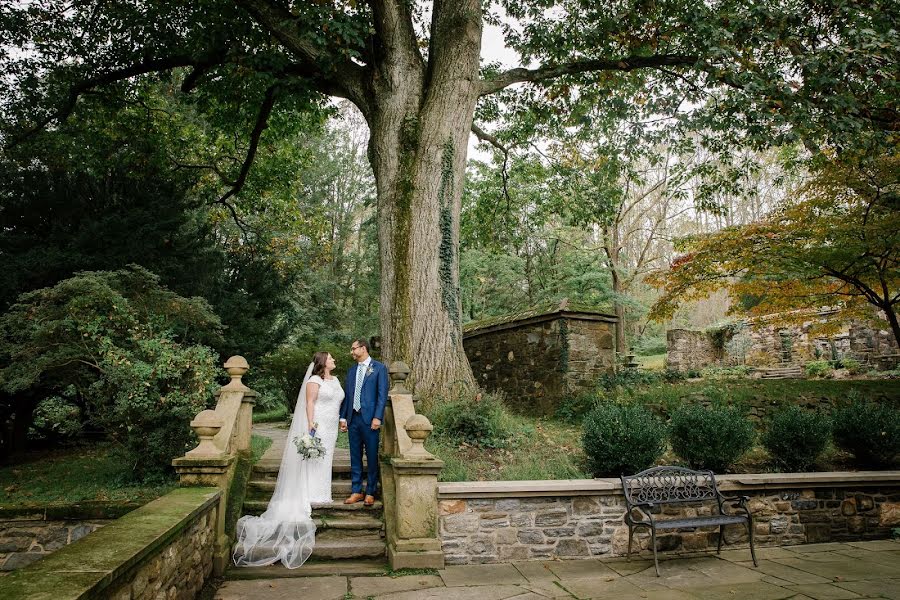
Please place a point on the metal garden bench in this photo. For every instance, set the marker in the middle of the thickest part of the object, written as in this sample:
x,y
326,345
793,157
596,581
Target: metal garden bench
x,y
647,490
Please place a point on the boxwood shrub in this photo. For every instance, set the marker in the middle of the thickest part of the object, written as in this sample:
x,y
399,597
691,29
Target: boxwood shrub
x,y
621,439
795,437
712,437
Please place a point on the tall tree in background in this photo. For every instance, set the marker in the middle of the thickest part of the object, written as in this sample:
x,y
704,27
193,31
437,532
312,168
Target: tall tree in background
x,y
781,71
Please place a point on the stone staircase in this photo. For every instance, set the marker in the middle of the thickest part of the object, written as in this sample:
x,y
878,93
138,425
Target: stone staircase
x,y
785,371
349,537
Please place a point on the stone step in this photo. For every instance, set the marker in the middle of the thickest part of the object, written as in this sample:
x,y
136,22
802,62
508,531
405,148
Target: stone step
x,y
268,469
335,509
370,546
262,489
312,568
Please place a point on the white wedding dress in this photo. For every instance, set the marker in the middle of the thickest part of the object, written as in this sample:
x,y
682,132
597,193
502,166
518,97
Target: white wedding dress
x,y
286,531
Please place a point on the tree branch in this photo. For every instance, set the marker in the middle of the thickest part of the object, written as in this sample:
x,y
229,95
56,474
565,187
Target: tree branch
x,y
262,119
76,90
394,26
343,78
631,63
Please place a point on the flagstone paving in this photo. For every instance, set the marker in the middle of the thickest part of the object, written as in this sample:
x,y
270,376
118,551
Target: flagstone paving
x,y
851,571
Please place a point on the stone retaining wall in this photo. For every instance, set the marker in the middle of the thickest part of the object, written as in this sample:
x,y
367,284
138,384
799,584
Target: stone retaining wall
x,y
24,541
495,522
165,549
30,532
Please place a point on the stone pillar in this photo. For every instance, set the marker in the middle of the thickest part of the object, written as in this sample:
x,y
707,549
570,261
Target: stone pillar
x,y
409,482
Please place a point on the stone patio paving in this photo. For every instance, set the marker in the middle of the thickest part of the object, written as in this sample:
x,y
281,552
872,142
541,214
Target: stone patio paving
x,y
834,571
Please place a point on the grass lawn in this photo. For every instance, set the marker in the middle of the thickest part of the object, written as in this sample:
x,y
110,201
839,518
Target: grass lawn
x,y
258,446
277,414
73,475
541,449
654,362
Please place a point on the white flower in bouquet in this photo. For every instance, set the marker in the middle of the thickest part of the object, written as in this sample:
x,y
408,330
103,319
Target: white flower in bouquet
x,y
309,446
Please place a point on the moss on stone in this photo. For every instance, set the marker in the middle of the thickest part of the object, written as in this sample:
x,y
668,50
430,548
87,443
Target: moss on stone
x,y
83,569
237,492
537,311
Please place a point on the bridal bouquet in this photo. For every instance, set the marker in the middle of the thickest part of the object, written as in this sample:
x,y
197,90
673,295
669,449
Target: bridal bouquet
x,y
309,446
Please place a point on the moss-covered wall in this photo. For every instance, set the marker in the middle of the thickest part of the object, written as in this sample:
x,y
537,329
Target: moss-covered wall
x,y
164,549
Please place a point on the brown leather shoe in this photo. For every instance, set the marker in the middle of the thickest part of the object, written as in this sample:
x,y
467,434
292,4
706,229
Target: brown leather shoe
x,y
370,500
354,498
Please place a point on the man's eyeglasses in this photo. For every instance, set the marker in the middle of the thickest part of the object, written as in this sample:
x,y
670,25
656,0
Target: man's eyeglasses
x,y
352,348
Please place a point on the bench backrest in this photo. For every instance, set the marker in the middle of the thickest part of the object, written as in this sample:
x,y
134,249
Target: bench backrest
x,y
666,485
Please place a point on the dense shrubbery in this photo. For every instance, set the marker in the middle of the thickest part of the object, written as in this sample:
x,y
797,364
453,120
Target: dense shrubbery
x,y
818,368
628,378
710,438
868,430
480,421
795,437
621,438
281,373
853,366
57,417
129,349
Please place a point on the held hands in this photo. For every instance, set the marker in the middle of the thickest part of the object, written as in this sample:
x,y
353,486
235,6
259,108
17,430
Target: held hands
x,y
376,424
343,425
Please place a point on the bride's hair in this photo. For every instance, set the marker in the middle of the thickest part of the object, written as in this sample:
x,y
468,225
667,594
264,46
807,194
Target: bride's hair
x,y
319,360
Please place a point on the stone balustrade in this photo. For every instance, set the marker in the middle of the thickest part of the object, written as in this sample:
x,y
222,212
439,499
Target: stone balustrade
x,y
502,521
222,458
409,481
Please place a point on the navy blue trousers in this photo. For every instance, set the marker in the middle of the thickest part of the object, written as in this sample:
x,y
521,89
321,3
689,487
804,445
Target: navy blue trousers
x,y
362,438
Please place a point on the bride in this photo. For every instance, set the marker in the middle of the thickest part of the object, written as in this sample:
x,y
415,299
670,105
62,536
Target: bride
x,y
286,531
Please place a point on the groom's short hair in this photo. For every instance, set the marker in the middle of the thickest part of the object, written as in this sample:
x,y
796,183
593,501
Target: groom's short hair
x,y
361,342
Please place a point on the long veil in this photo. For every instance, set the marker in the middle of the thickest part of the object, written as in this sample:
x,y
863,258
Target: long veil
x,y
286,531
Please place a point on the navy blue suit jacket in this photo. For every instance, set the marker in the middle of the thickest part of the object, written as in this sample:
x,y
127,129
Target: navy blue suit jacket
x,y
373,396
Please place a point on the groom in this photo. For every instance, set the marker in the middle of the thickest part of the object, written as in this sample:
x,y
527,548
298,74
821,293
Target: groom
x,y
362,412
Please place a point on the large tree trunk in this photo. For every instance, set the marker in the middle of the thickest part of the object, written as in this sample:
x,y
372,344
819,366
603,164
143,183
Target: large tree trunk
x,y
419,136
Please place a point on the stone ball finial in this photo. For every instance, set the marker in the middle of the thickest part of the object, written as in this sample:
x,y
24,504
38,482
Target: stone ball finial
x,y
236,366
399,372
206,424
418,427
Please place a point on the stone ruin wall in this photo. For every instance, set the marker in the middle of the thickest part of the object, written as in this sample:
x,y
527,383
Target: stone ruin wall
x,y
766,347
591,352
690,350
537,364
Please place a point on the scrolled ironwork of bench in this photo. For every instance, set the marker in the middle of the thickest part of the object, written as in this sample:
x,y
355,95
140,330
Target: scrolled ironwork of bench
x,y
647,490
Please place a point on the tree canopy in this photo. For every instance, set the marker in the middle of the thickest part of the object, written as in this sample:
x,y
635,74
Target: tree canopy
x,y
835,243
819,73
